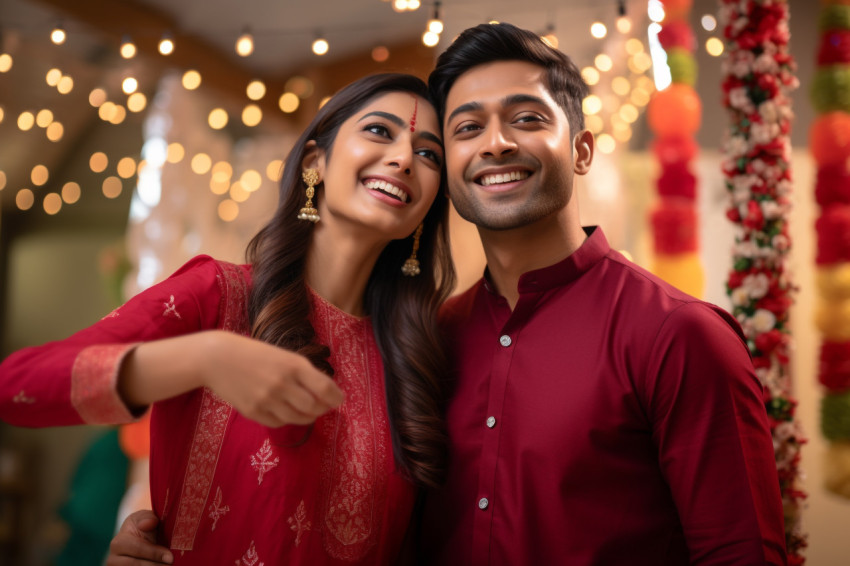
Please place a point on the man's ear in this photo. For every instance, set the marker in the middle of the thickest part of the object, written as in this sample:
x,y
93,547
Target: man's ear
x,y
583,146
314,158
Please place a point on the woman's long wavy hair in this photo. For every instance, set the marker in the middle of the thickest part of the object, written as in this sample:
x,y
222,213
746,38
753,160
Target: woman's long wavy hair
x,y
403,309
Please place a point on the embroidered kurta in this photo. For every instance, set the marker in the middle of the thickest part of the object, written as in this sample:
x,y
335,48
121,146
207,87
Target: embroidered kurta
x,y
229,490
608,420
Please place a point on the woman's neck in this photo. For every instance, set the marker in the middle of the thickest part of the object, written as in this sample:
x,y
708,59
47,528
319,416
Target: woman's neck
x,y
338,267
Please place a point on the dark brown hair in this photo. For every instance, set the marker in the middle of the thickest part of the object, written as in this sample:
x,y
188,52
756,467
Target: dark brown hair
x,y
488,43
403,309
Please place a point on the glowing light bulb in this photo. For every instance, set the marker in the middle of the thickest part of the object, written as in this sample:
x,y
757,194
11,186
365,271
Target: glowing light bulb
x,y
166,45
320,46
245,44
128,48
58,35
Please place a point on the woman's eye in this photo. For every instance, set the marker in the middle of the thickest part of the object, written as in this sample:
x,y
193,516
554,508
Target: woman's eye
x,y
378,129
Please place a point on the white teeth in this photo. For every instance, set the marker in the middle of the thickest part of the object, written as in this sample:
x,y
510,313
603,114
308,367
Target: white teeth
x,y
503,178
387,188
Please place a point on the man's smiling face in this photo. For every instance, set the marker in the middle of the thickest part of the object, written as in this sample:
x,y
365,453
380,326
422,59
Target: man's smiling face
x,y
509,151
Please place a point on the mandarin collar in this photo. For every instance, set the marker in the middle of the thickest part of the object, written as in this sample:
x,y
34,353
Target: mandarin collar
x,y
592,250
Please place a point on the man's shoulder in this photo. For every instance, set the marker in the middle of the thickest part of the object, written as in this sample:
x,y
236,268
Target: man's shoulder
x,y
659,300
458,307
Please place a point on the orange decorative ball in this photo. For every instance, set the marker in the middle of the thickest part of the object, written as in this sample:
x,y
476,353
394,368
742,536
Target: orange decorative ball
x,y
675,111
676,9
829,138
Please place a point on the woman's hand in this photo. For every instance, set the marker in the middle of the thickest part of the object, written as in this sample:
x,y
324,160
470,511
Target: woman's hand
x,y
135,542
267,384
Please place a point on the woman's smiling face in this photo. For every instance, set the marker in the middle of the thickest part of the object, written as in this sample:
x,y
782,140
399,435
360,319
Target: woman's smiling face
x,y
384,168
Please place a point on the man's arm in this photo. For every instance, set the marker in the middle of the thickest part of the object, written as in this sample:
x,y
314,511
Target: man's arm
x,y
714,444
135,542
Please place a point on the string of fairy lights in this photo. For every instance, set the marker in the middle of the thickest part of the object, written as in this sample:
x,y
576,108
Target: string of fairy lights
x,y
619,95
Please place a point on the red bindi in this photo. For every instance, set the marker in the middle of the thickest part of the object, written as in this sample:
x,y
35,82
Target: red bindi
x,y
413,118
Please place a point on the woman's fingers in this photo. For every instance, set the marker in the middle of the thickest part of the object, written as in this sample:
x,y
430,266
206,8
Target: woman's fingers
x,y
135,543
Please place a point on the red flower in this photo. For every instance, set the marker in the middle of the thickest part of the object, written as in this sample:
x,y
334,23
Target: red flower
x,y
768,341
755,217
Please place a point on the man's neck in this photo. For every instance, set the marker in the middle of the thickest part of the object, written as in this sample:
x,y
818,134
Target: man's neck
x,y
511,253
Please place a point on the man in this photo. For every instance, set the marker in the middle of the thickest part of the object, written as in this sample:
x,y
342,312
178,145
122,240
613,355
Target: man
x,y
600,416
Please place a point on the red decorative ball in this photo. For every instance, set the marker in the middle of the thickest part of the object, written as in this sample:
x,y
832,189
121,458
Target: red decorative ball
x,y
833,231
675,111
676,180
833,185
834,370
673,150
677,33
674,225
834,47
829,138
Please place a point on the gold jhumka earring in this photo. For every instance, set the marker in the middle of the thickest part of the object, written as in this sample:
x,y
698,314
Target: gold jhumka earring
x,y
411,265
311,179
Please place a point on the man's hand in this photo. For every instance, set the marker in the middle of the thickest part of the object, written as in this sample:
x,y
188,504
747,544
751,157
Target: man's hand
x,y
135,543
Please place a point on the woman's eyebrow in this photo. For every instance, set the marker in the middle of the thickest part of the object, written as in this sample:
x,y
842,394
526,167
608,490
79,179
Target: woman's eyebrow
x,y
391,117
431,137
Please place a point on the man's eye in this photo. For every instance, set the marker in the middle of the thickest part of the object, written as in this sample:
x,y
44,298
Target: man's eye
x,y
467,127
430,154
525,118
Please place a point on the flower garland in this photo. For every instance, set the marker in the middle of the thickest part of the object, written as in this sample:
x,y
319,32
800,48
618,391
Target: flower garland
x,y
758,75
830,94
674,116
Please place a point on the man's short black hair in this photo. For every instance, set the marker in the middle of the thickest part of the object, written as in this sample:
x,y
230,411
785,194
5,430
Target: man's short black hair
x,y
488,43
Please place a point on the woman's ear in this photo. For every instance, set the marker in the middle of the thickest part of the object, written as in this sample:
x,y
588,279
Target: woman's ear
x,y
583,145
314,158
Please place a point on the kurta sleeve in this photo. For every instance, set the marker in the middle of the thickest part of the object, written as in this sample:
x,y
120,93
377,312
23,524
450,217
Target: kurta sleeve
x,y
73,381
714,445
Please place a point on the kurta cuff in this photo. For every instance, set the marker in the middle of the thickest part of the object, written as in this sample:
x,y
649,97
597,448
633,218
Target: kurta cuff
x,y
94,380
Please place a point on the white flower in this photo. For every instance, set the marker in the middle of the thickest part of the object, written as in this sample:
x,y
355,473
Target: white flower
x,y
746,249
739,99
740,297
784,431
784,187
769,112
737,146
771,209
763,133
763,320
780,242
744,182
765,63
756,285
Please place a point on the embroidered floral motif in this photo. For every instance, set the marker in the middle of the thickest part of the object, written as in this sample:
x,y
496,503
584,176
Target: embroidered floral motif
x,y
170,308
22,398
213,418
298,522
262,461
217,510
354,475
113,314
250,558
203,459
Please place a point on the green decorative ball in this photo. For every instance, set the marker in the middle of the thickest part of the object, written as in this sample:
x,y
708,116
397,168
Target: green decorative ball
x,y
683,66
830,90
835,416
835,16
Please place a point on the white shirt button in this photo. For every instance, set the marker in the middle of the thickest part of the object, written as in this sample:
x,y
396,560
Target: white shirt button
x,y
483,503
491,422
505,340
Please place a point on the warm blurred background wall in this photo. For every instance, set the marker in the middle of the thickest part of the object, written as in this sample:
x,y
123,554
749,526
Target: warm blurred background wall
x,y
118,230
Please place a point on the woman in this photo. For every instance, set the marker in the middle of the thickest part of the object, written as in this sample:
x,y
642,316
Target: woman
x,y
236,475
